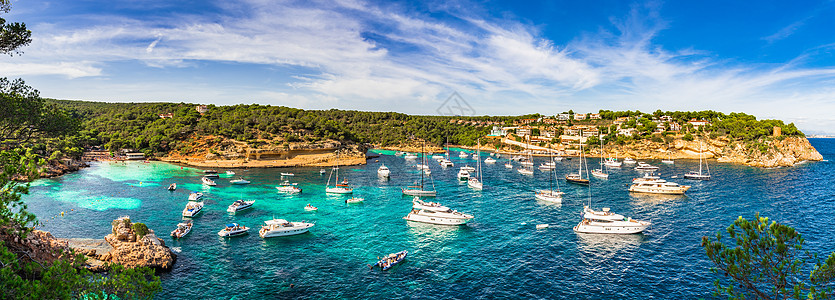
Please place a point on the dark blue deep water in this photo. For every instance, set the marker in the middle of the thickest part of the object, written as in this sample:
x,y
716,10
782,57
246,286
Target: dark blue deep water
x,y
499,254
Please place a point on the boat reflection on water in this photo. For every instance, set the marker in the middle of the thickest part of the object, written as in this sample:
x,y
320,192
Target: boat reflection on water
x,y
652,198
424,235
605,246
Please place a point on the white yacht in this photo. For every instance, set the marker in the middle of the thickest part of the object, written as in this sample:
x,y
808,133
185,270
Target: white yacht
x,y
240,205
599,173
230,172
463,174
612,162
648,177
410,156
524,171
420,204
475,182
439,215
642,166
354,200
489,160
281,227
437,157
463,154
467,168
508,165
239,181
194,196
445,163
208,181
548,166
192,209
659,187
322,171
287,174
608,223
340,188
383,171
703,173
233,229
182,229
288,187
629,161
172,187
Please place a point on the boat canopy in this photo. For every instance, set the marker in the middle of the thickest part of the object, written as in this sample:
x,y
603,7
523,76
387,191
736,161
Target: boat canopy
x,y
231,224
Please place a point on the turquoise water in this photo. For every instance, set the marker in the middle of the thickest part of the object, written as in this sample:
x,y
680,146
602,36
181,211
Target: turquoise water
x,y
499,254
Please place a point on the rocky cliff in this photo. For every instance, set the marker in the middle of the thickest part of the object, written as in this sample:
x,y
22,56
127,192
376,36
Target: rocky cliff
x,y
38,246
132,250
767,153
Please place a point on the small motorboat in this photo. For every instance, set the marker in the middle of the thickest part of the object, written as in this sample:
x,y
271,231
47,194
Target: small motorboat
x,y
287,174
629,161
172,187
288,187
322,171
309,207
240,205
212,175
182,229
463,175
390,260
354,200
383,171
642,166
233,229
210,171
230,173
508,165
468,168
208,181
240,180
489,160
192,209
194,196
463,155
410,156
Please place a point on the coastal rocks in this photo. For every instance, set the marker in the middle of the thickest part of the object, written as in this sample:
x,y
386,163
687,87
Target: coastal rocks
x,y
132,250
38,246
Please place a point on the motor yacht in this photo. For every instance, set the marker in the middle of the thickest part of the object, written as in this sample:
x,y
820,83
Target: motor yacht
x,y
192,209
463,174
435,215
208,181
489,160
288,187
445,163
420,204
354,200
194,196
642,166
211,176
659,187
508,165
210,171
463,154
629,161
309,207
612,162
281,227
239,181
182,230
240,205
172,187
230,173
410,156
468,168
527,172
383,171
233,229
608,223
648,177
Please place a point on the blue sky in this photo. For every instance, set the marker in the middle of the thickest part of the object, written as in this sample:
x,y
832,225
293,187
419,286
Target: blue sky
x,y
773,59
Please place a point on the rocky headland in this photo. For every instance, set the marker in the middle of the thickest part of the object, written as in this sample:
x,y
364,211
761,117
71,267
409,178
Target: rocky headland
x,y
127,247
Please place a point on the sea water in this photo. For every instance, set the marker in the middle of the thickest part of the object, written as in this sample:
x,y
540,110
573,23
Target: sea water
x,y
499,254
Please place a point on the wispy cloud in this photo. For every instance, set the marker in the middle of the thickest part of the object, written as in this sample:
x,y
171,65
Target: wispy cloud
x,y
352,54
786,31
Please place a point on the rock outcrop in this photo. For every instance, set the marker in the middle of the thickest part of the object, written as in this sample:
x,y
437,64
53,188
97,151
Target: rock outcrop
x,y
132,250
38,246
768,153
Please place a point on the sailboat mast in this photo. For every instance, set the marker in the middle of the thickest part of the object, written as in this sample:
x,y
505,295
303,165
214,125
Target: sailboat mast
x,y
700,157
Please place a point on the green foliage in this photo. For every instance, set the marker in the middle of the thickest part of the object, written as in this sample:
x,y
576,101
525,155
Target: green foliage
x,y
14,218
140,229
12,35
767,263
66,279
688,137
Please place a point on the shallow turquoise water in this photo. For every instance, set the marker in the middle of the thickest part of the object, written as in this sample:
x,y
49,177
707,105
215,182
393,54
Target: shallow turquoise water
x,y
498,255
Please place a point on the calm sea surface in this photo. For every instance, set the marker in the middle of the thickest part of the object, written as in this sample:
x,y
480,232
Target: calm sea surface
x,y
499,254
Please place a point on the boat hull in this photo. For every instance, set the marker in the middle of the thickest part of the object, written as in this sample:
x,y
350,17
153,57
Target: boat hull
x,y
624,229
697,177
549,197
339,190
280,233
413,192
414,217
577,181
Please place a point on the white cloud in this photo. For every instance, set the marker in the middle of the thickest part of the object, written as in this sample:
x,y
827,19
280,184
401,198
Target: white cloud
x,y
374,57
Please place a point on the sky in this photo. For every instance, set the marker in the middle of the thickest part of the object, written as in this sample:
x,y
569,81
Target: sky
x,y
772,59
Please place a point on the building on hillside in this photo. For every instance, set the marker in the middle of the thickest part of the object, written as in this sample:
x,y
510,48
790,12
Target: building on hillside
x,y
135,155
202,109
594,116
526,121
666,119
675,126
166,116
523,131
497,131
626,131
564,116
698,123
589,132
549,133
620,120
579,117
571,139
552,121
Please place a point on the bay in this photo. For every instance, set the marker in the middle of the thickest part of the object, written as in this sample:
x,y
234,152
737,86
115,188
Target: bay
x,y
499,254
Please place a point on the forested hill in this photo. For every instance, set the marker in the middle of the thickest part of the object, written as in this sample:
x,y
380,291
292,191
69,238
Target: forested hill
x,y
139,125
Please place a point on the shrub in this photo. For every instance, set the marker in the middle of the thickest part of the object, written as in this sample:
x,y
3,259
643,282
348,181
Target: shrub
x,y
140,229
688,137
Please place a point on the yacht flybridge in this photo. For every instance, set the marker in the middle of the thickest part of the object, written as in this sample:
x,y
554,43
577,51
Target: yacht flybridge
x,y
659,187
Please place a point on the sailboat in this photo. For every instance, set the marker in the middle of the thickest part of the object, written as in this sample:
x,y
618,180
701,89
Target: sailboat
x,y
701,175
578,177
600,173
340,188
418,190
475,182
528,164
550,194
669,160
